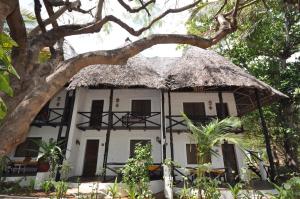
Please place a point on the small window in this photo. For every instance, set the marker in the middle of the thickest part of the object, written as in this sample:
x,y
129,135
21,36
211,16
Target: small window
x,y
219,110
141,107
29,148
194,111
133,143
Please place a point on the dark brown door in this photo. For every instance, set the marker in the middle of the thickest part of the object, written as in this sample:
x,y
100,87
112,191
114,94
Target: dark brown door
x,y
96,113
230,163
220,109
90,158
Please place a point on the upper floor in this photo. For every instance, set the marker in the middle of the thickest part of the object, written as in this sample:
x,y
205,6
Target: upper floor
x,y
134,108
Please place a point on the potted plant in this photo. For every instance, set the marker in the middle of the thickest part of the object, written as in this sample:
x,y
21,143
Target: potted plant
x,y
49,155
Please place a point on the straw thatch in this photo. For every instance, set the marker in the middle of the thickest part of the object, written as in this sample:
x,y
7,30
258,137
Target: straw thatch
x,y
196,70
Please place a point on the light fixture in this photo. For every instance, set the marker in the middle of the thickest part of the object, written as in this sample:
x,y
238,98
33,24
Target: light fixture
x,y
210,104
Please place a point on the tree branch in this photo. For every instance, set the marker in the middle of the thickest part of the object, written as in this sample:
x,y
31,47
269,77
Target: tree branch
x,y
134,10
53,35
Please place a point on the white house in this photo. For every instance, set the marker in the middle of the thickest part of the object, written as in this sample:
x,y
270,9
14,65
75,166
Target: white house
x,y
107,109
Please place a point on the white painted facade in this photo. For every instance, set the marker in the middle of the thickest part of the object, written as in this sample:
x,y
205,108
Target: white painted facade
x,y
119,146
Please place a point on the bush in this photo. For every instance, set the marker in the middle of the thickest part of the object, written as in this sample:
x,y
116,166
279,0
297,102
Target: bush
x,y
47,186
61,189
136,174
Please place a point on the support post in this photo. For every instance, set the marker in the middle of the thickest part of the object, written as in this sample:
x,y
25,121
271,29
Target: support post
x,y
221,104
163,127
266,136
171,132
110,118
69,119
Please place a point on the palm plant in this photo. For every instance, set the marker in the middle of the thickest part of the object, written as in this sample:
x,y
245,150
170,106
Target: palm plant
x,y
50,152
209,135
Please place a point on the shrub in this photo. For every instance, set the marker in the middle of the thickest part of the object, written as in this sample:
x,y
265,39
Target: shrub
x,y
136,174
61,189
47,186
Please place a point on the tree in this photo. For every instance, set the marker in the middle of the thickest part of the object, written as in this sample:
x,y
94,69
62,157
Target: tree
x,y
263,45
41,81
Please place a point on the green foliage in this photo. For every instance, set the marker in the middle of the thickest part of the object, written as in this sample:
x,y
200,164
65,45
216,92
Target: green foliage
x,y
212,134
113,190
47,186
4,161
136,174
6,69
235,190
65,169
30,188
50,152
186,193
288,190
61,189
209,187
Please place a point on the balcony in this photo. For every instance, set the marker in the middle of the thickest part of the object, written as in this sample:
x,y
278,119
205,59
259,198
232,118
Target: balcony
x,y
178,122
50,117
121,120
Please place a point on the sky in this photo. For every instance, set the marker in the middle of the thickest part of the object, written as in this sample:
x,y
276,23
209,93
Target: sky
x,y
173,23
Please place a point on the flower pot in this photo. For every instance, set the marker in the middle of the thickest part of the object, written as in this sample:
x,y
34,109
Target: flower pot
x,y
43,167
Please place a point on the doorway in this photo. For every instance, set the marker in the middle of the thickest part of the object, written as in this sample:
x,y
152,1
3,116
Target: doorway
x,y
90,158
230,162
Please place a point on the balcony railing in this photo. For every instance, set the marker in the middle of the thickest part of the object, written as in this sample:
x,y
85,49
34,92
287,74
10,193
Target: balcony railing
x,y
121,120
50,117
178,122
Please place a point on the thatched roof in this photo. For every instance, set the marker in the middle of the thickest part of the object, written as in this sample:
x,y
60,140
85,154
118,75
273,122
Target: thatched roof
x,y
196,70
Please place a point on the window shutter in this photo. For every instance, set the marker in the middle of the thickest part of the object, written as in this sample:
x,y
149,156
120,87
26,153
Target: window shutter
x,y
225,109
96,113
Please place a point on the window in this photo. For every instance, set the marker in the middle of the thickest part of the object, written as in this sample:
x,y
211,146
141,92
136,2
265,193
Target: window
x,y
28,148
219,110
141,107
96,113
194,110
133,143
191,154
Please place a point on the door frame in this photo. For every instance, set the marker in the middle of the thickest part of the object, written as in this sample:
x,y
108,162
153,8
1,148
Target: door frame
x,y
82,150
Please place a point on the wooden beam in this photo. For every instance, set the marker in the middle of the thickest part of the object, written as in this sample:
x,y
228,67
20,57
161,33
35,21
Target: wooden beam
x,y
221,104
69,120
163,127
171,132
110,118
266,136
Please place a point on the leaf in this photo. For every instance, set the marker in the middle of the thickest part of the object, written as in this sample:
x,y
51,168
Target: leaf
x,y
4,84
3,109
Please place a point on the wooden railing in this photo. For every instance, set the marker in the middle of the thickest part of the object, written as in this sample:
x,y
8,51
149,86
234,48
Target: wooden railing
x,y
120,120
178,122
51,117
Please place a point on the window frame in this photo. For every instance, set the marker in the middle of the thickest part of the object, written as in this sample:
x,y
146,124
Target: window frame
x,y
143,115
24,151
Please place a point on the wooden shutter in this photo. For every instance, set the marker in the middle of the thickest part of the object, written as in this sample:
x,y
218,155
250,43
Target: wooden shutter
x,y
141,107
96,113
191,153
28,148
194,110
133,143
225,110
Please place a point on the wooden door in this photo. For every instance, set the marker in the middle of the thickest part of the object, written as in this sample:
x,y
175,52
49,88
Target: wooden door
x,y
194,110
90,158
96,113
230,162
